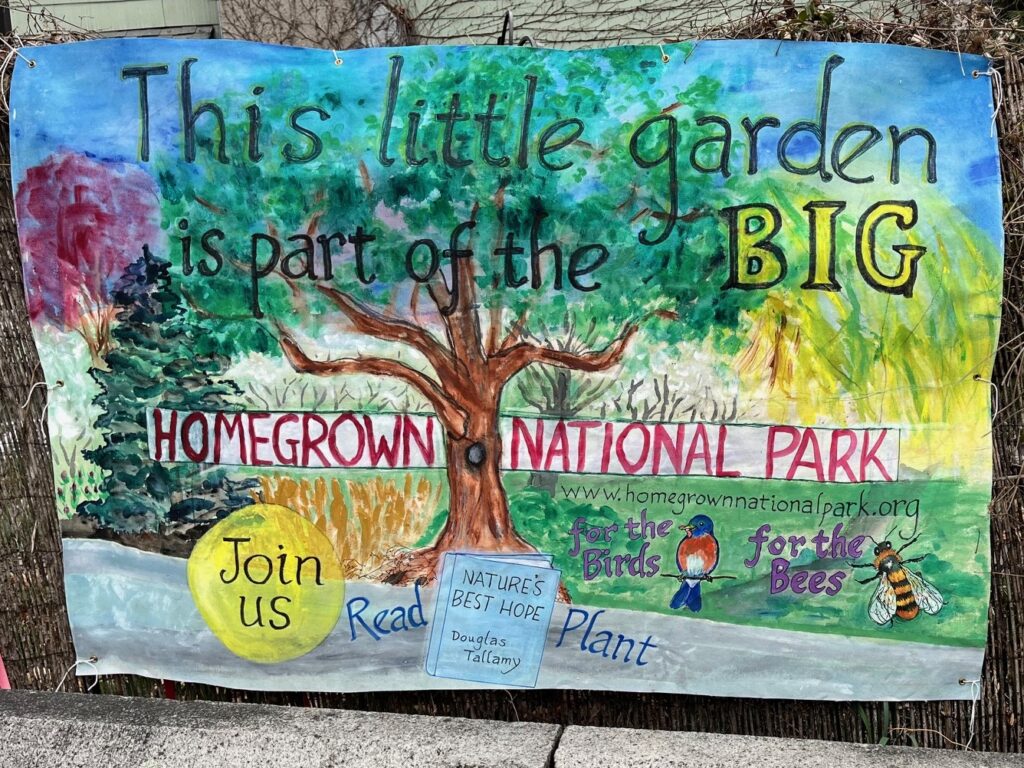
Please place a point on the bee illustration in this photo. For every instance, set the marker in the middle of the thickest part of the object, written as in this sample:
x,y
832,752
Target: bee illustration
x,y
901,592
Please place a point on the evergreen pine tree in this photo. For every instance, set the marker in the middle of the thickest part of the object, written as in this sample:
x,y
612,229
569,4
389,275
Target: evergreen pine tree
x,y
152,364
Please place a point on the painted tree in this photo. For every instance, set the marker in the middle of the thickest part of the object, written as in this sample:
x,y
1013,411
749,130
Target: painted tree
x,y
457,320
83,221
561,393
153,364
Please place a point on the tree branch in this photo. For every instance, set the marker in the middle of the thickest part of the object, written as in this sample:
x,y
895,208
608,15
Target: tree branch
x,y
372,323
461,321
452,417
497,309
515,332
512,360
441,295
531,401
465,320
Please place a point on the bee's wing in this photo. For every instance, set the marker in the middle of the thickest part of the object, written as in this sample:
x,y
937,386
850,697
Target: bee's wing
x,y
927,596
882,607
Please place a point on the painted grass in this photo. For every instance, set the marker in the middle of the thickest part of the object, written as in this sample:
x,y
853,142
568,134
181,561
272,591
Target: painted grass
x,y
365,518
952,525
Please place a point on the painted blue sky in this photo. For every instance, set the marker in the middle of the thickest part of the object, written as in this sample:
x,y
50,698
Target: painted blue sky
x,y
75,97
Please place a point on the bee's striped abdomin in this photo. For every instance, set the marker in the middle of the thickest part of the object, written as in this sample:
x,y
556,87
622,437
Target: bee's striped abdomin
x,y
906,604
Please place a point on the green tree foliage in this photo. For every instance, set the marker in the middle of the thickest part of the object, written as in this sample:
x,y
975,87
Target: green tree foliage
x,y
672,288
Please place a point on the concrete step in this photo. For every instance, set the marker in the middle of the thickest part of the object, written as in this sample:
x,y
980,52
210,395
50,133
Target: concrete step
x,y
40,730
627,748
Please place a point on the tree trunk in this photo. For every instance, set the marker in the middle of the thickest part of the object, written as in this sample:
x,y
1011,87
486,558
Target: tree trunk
x,y
478,513
466,397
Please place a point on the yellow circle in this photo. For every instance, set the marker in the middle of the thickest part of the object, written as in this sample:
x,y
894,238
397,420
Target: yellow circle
x,y
267,582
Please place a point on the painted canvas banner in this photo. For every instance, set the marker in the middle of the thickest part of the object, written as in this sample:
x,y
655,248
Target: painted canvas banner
x,y
646,369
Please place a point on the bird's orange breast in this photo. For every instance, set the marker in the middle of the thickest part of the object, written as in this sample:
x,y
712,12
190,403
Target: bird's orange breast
x,y
697,554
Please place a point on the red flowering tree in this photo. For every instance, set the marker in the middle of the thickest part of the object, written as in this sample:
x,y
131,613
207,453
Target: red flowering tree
x,y
81,223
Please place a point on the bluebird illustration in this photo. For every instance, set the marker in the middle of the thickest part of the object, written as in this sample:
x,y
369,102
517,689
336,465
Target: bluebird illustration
x,y
696,557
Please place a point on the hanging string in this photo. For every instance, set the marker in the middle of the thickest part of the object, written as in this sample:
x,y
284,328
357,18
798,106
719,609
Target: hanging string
x,y
997,95
975,695
12,53
512,701
995,392
32,389
31,63
91,661
46,405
